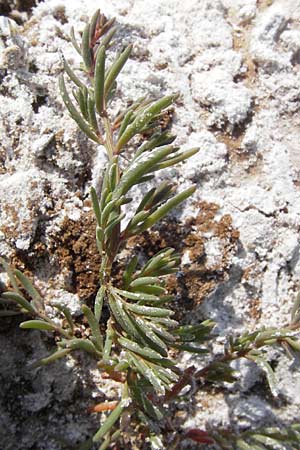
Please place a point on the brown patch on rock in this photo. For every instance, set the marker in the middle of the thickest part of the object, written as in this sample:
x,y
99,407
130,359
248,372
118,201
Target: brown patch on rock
x,y
241,44
201,277
255,308
60,14
10,231
2,162
263,4
76,252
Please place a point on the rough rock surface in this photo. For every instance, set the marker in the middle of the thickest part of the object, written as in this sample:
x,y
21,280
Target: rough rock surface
x,y
236,65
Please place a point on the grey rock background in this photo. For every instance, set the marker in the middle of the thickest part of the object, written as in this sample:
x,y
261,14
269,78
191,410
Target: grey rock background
x,y
236,65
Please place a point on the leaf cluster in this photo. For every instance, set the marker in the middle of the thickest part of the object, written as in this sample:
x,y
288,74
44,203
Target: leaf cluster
x,y
281,438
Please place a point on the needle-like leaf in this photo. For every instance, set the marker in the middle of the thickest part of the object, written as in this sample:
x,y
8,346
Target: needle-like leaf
x,y
38,325
99,80
116,68
144,118
72,75
37,300
86,49
94,324
19,299
166,208
81,122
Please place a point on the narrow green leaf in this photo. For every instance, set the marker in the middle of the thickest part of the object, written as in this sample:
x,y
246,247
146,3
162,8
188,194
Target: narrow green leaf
x,y
96,206
190,348
37,301
220,371
149,310
22,302
157,140
146,371
137,218
140,167
108,341
154,341
264,337
116,68
74,42
106,212
38,325
150,289
141,281
121,366
165,373
129,116
81,344
72,75
162,192
144,118
99,80
83,125
191,333
136,296
133,107
94,324
166,208
104,191
99,239
81,97
92,119
93,24
122,317
123,201
176,159
127,276
67,313
111,93
163,299
156,261
108,195
106,40
51,358
86,50
113,173
159,329
145,200
99,303
111,225
106,442
136,348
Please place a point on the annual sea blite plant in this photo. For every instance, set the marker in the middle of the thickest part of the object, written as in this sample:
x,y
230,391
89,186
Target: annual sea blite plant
x,y
134,345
